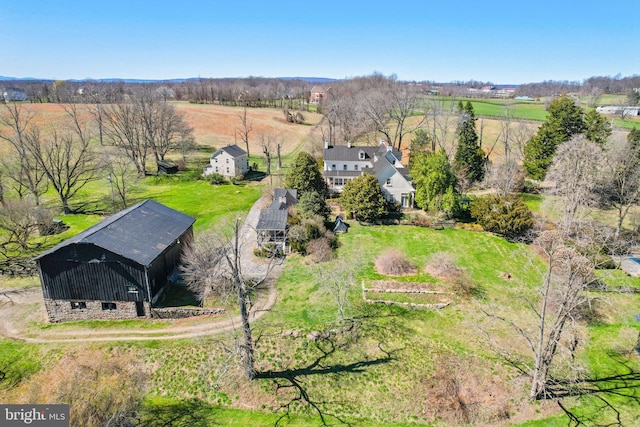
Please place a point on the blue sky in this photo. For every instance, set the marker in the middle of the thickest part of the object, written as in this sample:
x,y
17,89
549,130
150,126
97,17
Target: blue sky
x,y
498,41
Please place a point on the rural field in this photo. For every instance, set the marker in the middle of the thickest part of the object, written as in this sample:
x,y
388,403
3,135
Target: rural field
x,y
386,364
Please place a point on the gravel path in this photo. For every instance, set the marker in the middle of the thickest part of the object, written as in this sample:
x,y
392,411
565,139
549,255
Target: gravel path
x,y
23,301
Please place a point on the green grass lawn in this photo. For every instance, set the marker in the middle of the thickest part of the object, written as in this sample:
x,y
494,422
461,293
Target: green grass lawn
x,y
528,110
355,379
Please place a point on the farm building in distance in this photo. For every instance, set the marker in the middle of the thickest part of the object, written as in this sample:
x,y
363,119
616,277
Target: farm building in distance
x,y
116,269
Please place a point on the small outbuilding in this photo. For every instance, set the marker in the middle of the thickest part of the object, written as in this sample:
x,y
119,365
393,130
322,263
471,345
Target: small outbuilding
x,y
273,222
167,167
340,226
116,269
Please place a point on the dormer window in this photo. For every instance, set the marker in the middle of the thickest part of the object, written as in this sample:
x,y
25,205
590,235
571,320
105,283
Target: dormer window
x,y
361,155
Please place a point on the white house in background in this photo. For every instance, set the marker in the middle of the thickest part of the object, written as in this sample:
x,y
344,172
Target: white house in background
x,y
346,162
228,161
12,94
626,110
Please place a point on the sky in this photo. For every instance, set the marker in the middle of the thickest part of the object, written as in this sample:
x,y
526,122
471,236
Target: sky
x,y
512,42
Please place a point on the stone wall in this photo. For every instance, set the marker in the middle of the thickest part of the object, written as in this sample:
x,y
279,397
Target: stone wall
x,y
62,311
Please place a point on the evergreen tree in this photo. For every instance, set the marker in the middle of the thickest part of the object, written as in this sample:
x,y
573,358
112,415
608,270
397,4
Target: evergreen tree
x,y
597,128
420,143
311,204
362,198
305,176
565,119
634,137
506,215
435,183
469,158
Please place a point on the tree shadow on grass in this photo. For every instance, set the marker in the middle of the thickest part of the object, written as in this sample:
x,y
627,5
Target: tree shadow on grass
x,y
294,379
184,413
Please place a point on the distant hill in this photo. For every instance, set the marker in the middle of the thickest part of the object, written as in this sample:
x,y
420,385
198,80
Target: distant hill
x,y
118,80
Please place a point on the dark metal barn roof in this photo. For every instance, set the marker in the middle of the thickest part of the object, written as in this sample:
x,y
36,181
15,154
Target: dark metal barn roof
x,y
140,233
272,219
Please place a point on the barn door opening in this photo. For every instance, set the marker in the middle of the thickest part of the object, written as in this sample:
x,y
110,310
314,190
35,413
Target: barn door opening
x,y
140,308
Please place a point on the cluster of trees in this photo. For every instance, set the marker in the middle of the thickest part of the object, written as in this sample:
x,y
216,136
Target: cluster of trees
x,y
251,91
565,120
67,154
359,107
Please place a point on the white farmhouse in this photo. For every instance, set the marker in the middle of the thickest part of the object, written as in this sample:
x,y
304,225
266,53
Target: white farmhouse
x,y
230,161
346,162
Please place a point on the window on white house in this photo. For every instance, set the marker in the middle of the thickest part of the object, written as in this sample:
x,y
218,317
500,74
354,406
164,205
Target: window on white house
x,y
355,167
344,167
227,170
333,167
388,182
227,160
108,305
78,305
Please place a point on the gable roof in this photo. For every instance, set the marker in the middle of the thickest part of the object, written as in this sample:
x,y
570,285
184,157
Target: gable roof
x,y
346,153
140,233
233,150
283,198
273,219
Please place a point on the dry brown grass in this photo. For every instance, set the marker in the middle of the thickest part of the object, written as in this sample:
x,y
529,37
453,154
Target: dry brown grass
x,y
215,125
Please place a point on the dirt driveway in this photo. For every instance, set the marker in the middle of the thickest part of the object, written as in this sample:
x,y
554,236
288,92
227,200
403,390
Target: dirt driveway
x,y
20,308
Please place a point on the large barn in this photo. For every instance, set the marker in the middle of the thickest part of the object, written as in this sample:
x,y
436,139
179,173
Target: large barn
x,y
117,268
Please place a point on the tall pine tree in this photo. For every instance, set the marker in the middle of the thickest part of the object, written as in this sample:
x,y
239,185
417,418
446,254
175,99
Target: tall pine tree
x,y
565,119
469,159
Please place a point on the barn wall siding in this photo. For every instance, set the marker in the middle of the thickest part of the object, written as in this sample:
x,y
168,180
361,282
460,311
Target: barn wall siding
x,y
88,273
61,311
104,281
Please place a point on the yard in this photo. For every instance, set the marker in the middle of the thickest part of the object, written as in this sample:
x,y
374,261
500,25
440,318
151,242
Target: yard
x,y
437,365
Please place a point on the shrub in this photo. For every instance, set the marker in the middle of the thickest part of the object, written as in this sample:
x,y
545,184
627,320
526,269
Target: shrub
x,y
394,263
506,215
217,179
320,249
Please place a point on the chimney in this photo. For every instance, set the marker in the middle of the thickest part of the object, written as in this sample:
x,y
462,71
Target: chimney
x,y
326,144
348,144
383,142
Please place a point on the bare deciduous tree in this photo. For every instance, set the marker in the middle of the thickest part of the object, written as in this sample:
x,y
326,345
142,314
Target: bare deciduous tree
x,y
618,186
123,129
574,171
67,159
19,220
245,129
121,173
440,119
145,125
214,264
563,291
338,280
21,167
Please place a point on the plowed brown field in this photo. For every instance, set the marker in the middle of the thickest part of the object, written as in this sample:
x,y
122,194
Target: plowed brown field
x,y
216,126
